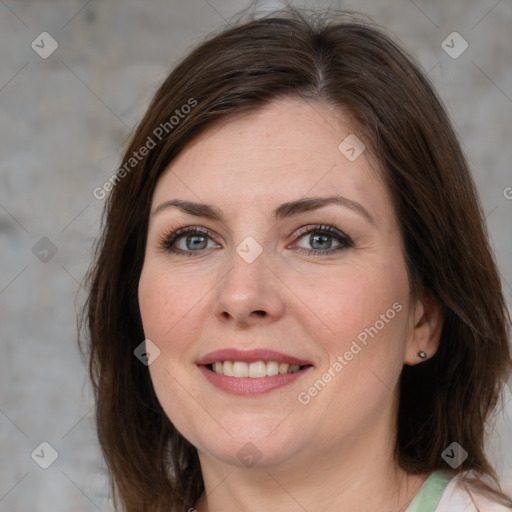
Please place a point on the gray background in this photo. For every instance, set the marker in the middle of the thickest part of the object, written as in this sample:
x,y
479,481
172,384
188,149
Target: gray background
x,y
64,121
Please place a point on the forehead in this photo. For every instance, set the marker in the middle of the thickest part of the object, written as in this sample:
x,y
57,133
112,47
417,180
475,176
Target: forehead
x,y
284,151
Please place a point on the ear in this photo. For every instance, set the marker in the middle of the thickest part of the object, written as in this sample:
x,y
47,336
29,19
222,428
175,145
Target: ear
x,y
428,324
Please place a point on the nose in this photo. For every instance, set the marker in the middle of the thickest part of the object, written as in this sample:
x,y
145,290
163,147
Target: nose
x,y
249,292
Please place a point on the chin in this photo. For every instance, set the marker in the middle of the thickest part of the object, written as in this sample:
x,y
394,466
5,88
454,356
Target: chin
x,y
252,445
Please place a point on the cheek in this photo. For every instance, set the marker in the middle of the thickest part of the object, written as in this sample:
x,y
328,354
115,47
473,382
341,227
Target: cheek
x,y
347,304
167,317
164,301
364,316
153,301
366,313
172,308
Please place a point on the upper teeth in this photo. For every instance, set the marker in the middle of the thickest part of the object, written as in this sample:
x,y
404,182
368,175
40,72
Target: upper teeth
x,y
256,369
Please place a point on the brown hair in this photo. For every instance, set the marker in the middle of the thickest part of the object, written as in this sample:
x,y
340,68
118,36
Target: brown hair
x,y
336,58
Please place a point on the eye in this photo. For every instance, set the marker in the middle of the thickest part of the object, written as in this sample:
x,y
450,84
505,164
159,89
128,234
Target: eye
x,y
320,238
194,239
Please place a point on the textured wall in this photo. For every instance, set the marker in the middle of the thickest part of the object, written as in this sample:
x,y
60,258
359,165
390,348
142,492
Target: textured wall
x,y
64,119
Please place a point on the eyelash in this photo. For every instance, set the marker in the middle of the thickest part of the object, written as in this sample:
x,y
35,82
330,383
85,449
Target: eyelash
x,y
167,241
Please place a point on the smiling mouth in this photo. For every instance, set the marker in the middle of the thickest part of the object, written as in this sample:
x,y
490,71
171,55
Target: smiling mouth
x,y
256,369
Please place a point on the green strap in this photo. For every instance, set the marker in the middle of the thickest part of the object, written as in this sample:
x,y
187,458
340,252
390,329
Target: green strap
x,y
429,495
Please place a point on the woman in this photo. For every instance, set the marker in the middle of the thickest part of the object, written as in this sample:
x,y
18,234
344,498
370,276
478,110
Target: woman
x,y
293,305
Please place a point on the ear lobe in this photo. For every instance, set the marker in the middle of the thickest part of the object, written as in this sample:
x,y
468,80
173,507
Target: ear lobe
x,y
428,325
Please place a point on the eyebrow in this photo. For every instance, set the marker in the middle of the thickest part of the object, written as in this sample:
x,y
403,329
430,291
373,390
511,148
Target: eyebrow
x,y
285,210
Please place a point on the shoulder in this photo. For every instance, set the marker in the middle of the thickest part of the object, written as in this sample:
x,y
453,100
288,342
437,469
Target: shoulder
x,y
461,497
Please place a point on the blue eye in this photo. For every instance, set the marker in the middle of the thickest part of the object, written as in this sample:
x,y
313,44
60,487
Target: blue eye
x,y
321,237
196,239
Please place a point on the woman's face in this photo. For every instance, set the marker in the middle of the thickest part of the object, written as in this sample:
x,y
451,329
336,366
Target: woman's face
x,y
269,284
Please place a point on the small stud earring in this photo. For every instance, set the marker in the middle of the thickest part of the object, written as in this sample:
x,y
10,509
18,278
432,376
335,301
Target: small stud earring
x,y
422,354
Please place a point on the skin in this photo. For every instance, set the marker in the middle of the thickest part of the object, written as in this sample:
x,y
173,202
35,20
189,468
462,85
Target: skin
x,y
335,452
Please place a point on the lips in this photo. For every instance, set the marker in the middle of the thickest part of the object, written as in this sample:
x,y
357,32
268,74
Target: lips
x,y
242,372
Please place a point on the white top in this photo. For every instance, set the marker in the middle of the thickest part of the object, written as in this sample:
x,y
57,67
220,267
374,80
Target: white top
x,y
455,498
443,491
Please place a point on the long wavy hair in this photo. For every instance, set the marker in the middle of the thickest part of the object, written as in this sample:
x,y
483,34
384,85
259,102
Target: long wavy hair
x,y
343,60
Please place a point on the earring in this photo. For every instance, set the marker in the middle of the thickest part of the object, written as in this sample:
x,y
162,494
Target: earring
x,y
422,354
